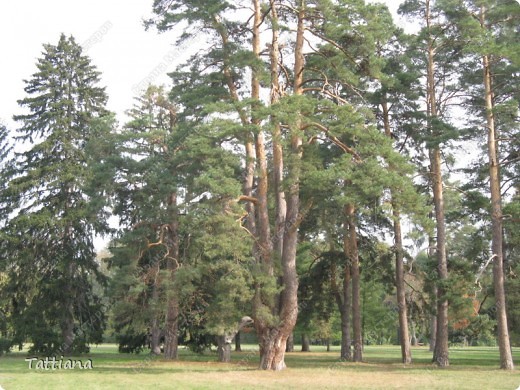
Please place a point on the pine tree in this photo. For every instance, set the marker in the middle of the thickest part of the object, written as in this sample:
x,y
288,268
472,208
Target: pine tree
x,y
145,183
396,104
490,33
54,212
226,88
349,60
180,255
217,80
438,56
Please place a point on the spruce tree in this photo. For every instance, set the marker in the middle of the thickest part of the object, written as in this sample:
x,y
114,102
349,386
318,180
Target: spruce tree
x,y
5,308
54,212
6,158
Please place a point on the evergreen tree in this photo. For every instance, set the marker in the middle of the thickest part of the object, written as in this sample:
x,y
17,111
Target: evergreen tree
x,y
396,104
144,182
216,82
54,212
490,33
5,159
178,259
437,56
281,135
348,63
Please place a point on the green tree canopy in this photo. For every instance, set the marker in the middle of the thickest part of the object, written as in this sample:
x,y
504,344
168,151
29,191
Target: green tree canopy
x,y
53,215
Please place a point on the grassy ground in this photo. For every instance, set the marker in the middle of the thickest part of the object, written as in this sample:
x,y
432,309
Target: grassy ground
x,y
471,368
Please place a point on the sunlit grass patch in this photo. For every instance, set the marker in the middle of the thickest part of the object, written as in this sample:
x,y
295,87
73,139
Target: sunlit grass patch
x,y
471,368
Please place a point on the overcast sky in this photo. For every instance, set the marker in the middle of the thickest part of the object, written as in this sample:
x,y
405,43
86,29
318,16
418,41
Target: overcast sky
x,y
112,33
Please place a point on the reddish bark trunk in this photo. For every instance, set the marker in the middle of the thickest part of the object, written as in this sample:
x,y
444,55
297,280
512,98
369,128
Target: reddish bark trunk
x,y
343,301
273,337
353,256
441,356
171,339
278,164
406,354
506,358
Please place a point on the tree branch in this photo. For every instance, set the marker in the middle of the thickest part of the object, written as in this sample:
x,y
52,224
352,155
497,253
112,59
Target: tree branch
x,y
335,140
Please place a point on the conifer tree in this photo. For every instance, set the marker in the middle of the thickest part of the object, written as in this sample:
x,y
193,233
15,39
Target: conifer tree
x,y
54,213
490,34
340,72
396,102
145,185
6,159
438,55
281,134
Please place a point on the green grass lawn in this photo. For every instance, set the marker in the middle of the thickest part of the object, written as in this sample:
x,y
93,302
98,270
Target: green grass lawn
x,y
471,368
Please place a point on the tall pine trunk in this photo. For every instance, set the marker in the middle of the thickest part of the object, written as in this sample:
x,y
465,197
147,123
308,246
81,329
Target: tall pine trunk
x,y
346,338
155,332
171,338
273,336
352,255
406,355
506,359
440,356
344,302
278,164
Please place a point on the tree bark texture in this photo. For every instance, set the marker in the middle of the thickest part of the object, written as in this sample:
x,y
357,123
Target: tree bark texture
x,y
224,349
171,339
406,354
506,358
353,257
273,336
306,343
289,347
440,357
